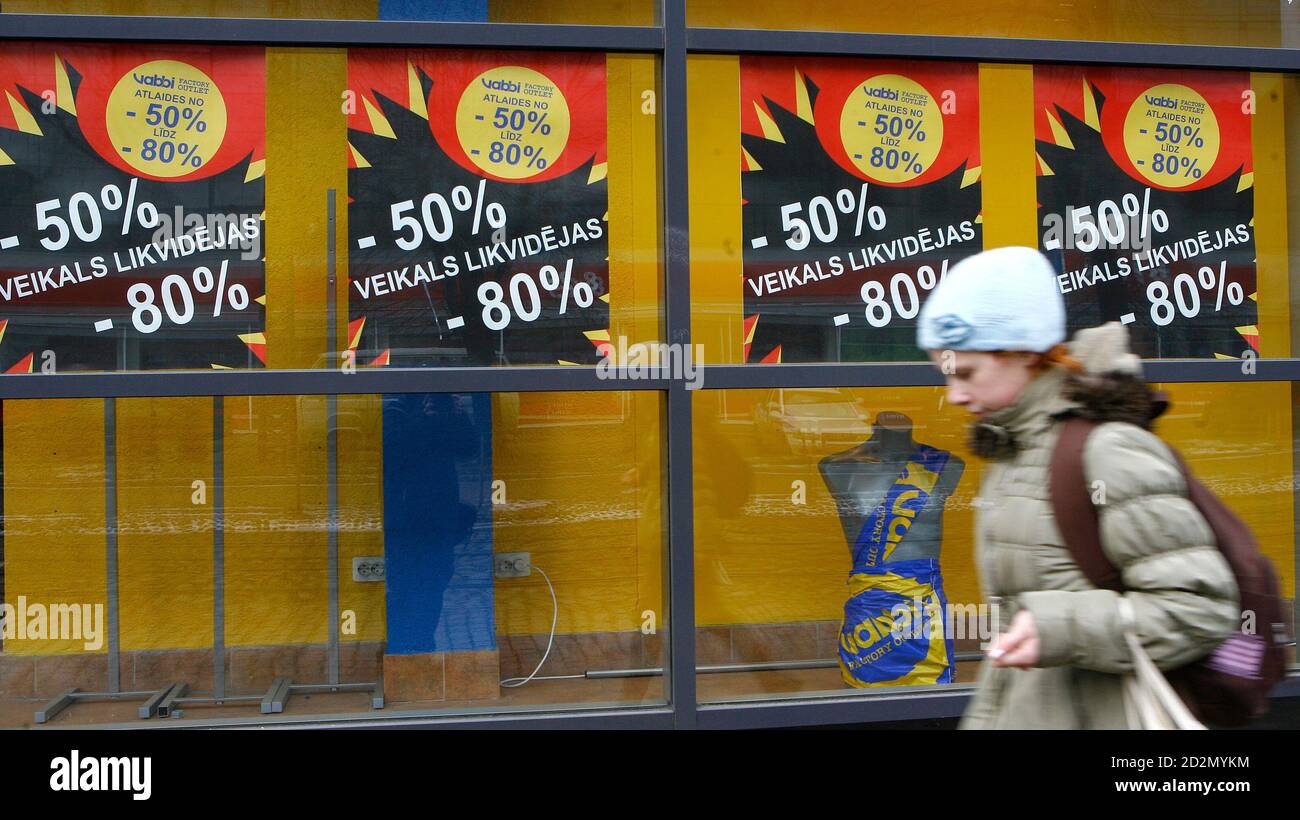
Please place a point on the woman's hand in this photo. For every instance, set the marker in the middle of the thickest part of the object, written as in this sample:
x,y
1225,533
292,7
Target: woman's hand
x,y
1019,645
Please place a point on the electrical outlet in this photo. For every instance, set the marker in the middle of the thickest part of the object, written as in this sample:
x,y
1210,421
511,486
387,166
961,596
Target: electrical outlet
x,y
368,568
511,565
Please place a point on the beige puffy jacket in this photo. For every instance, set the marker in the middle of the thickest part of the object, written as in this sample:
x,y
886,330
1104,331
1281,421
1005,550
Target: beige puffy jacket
x,y
1182,591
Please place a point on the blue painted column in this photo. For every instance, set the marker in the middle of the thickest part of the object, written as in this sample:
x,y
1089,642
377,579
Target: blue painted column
x,y
450,11
438,513
438,522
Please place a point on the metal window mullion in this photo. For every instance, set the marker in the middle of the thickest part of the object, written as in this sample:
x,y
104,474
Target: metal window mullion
x,y
875,707
111,529
537,718
679,569
916,374
325,381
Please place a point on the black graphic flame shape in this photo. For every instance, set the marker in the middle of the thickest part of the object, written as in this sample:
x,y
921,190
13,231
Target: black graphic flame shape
x,y
412,323
1087,175
801,319
56,165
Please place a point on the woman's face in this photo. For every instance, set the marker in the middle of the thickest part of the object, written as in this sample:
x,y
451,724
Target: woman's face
x,y
984,382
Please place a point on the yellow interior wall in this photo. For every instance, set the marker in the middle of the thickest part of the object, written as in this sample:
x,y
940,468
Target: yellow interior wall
x,y
304,128
1269,431
1272,248
1237,439
275,454
1007,184
1204,22
760,557
164,542
55,550
1291,166
361,509
566,457
713,162
275,493
607,570
638,291
585,12
573,495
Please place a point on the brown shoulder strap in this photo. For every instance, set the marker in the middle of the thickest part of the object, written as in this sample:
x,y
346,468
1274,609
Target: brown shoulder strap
x,y
1076,517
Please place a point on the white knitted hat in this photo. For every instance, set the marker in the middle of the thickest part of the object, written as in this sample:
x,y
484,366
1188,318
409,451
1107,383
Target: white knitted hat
x,y
1003,299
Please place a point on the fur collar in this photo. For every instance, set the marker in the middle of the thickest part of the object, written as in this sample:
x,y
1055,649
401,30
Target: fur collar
x,y
1114,396
1101,397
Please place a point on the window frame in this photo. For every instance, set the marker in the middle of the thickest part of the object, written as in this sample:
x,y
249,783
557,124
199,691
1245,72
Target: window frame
x,y
672,42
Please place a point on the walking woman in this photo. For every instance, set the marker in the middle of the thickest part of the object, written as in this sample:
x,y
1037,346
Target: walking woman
x,y
995,327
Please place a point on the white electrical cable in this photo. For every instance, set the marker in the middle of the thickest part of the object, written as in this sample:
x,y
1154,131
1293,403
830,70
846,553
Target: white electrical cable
x,y
555,617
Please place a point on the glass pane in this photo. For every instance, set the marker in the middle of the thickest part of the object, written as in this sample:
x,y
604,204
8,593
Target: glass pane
x,y
614,13
1284,100
861,183
212,553
1159,196
800,490
170,207
1161,201
504,206
132,235
1259,23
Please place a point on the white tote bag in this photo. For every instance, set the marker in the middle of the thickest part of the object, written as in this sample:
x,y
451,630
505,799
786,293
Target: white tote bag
x,y
1149,701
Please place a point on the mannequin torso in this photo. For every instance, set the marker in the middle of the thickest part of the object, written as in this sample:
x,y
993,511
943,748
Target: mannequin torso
x,y
860,479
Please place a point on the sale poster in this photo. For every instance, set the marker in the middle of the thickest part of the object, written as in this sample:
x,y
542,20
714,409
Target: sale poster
x,y
1146,205
478,208
860,185
131,207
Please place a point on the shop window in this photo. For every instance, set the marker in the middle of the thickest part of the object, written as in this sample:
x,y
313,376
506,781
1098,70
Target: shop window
x,y
835,528
1259,23
1159,196
485,559
613,13
170,207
